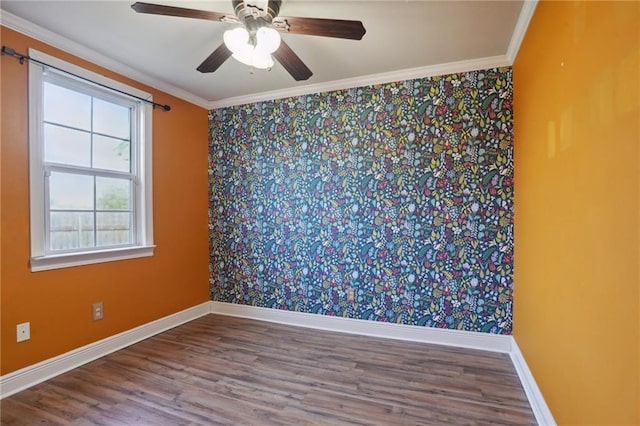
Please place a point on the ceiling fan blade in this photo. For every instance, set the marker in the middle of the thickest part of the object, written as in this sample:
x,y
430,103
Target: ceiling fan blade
x,y
216,59
338,28
291,62
158,9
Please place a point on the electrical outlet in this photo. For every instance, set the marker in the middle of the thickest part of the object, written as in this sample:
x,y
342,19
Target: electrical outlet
x,y
97,311
351,295
23,332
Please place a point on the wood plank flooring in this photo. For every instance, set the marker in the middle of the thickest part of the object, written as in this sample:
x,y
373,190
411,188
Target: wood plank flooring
x,y
231,371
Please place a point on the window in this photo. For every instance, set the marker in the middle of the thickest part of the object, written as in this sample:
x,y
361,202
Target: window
x,y
89,166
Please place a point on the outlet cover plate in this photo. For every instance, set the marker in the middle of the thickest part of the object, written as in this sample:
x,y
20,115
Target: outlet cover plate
x,y
23,332
97,311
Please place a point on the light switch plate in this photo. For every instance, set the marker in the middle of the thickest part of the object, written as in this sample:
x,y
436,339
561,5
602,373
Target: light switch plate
x,y
23,332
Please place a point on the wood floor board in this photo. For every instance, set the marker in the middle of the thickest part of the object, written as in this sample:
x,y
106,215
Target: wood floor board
x,y
232,371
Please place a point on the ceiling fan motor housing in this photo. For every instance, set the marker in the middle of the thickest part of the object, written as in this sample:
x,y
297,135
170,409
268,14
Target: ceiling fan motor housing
x,y
252,16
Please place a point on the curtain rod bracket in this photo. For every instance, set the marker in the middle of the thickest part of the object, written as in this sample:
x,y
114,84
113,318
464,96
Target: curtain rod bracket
x,y
6,50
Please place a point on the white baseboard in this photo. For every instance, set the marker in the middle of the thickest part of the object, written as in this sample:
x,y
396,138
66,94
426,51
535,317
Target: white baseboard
x,y
26,377
463,339
536,400
19,380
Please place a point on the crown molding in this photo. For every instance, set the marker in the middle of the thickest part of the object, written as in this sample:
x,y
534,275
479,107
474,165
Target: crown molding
x,y
526,13
367,80
32,30
35,31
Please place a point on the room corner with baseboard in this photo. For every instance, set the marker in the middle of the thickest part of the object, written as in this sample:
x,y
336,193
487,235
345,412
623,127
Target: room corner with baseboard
x,y
482,208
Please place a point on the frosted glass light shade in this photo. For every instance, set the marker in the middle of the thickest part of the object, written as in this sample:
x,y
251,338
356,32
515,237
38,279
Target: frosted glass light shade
x,y
245,56
262,60
268,40
253,58
238,41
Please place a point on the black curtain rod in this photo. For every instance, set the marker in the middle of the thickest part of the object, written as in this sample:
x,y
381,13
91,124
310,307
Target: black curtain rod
x,y
11,52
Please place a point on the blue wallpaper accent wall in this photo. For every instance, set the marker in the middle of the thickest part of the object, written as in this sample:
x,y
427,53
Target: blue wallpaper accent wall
x,y
402,192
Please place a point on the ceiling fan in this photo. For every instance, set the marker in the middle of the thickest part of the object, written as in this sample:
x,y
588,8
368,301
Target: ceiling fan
x,y
257,36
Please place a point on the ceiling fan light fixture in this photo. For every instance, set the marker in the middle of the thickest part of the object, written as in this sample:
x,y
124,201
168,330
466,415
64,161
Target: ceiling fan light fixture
x,y
261,61
244,55
268,40
239,42
254,58
236,39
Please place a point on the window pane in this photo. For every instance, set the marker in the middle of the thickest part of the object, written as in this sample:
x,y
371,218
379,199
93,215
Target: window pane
x,y
64,106
70,192
71,230
113,228
111,119
111,154
113,194
66,146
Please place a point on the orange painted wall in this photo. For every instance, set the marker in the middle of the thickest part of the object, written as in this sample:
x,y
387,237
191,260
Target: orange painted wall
x,y
577,229
134,292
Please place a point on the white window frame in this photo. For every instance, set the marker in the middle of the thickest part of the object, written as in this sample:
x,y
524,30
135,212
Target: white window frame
x,y
141,166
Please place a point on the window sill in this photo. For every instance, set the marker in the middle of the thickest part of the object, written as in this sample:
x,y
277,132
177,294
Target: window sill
x,y
67,260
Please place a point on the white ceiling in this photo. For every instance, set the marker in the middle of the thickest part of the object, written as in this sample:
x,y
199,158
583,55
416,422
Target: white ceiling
x,y
404,39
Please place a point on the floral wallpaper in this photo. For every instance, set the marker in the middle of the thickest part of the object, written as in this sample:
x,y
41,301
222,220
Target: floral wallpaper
x,y
401,193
